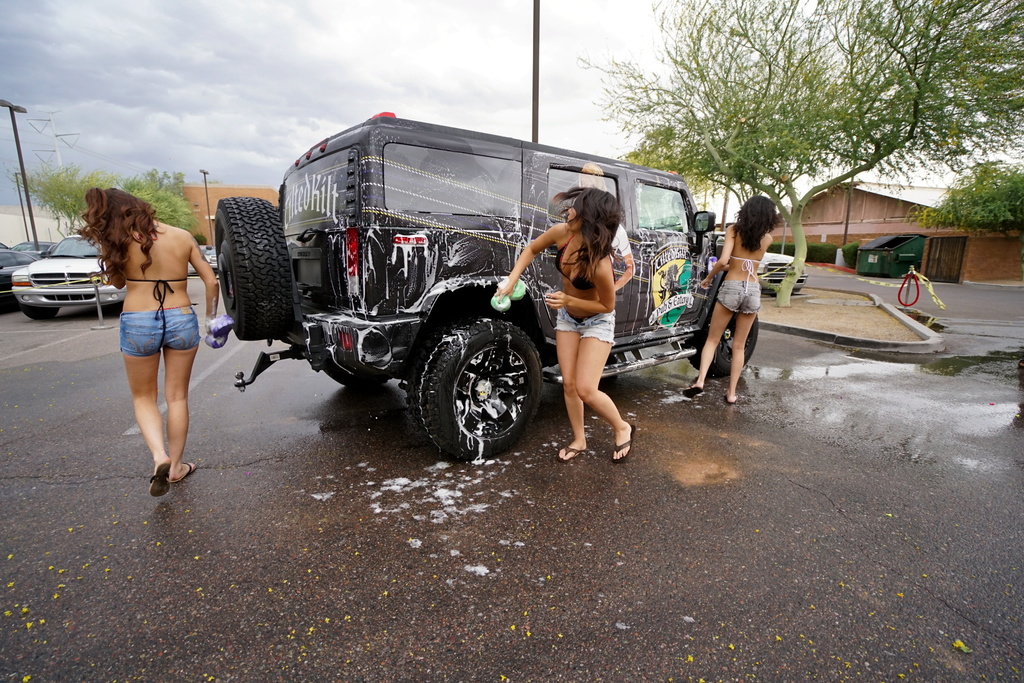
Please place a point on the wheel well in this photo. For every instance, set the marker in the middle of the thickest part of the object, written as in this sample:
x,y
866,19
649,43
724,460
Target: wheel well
x,y
475,301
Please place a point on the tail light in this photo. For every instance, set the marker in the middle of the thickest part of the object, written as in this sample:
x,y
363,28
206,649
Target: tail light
x,y
352,251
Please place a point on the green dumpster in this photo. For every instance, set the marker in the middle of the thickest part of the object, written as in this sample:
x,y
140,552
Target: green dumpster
x,y
890,256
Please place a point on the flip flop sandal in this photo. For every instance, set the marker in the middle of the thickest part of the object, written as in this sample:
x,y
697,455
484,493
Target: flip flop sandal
x,y
692,392
158,484
621,446
191,468
570,453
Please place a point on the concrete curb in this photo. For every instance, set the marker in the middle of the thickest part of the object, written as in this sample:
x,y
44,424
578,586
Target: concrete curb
x,y
993,284
931,342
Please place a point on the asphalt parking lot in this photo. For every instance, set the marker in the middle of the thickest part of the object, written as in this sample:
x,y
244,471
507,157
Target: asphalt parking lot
x,y
857,516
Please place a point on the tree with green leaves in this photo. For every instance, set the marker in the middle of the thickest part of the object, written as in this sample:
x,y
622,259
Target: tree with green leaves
x,y
62,192
789,98
163,191
988,199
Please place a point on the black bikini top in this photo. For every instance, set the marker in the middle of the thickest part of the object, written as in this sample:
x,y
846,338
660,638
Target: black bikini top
x,y
578,282
160,288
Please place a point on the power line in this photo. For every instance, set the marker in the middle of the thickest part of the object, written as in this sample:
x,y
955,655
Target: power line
x,y
83,150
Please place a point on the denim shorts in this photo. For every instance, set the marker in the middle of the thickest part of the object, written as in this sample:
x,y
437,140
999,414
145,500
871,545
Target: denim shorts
x,y
740,296
144,333
600,326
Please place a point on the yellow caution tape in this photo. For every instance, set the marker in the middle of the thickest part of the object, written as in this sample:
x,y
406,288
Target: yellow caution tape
x,y
928,285
925,281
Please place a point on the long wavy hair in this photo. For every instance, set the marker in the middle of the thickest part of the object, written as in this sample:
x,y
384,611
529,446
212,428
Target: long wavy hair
x,y
600,214
756,218
113,220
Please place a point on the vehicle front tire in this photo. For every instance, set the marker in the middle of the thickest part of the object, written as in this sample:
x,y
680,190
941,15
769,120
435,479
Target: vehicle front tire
x,y
476,387
39,312
722,363
254,271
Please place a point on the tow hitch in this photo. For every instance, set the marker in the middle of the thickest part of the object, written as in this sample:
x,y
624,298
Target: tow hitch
x,y
264,361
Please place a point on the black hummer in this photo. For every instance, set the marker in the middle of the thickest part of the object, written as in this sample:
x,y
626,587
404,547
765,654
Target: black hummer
x,y
390,237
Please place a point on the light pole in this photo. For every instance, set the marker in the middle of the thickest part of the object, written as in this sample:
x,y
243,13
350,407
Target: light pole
x,y
536,69
21,162
207,189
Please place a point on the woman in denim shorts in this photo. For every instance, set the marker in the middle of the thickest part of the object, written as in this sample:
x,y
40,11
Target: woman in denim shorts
x,y
740,293
585,318
152,260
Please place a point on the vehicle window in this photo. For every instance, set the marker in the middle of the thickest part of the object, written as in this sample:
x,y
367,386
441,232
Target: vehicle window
x,y
424,180
661,208
74,247
23,259
7,260
560,180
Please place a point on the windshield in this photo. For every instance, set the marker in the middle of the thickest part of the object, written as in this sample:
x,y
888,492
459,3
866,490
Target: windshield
x,y
75,247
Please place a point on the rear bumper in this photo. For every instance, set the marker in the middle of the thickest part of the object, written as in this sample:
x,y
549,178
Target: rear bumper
x,y
364,347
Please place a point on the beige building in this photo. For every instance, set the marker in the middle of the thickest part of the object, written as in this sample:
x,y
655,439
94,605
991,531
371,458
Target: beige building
x,y
195,195
15,226
873,210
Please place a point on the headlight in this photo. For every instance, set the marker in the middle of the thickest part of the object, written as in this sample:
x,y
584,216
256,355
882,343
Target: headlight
x,y
20,279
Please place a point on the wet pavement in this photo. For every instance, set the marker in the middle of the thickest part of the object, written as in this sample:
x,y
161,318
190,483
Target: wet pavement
x,y
853,517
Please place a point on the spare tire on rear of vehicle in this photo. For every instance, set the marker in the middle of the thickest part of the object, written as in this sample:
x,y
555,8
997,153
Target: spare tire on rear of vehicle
x,y
253,264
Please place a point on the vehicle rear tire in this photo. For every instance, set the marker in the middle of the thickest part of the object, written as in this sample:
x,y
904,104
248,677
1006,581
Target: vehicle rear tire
x,y
350,380
476,387
254,271
39,312
722,363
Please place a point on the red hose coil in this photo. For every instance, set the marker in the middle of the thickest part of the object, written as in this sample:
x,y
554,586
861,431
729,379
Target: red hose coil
x,y
917,293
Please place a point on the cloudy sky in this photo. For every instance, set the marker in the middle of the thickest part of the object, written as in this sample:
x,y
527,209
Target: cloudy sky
x,y
243,87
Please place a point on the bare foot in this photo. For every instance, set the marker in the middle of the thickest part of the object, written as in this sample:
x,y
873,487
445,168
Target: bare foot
x,y
730,398
187,468
623,443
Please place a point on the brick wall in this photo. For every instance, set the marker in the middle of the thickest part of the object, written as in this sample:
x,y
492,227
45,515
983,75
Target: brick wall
x,y
991,257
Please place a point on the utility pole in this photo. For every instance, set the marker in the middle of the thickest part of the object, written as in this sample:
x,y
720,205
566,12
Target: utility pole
x,y
536,69
206,187
21,202
21,162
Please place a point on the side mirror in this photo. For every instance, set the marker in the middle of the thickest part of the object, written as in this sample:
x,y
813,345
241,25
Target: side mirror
x,y
703,221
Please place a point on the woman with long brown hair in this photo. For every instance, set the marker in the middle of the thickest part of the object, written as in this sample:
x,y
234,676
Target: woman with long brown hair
x,y
585,322
740,293
152,260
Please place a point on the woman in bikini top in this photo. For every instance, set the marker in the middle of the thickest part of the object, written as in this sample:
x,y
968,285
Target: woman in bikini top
x,y
745,244
593,217
145,256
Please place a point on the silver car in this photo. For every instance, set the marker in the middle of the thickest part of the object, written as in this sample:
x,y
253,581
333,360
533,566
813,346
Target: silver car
x,y
64,279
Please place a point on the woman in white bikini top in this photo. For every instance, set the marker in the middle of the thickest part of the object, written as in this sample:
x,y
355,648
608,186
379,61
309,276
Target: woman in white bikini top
x,y
745,244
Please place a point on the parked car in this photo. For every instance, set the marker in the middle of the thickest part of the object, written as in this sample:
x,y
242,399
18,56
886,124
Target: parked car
x,y
30,248
64,279
11,261
390,237
773,269
210,254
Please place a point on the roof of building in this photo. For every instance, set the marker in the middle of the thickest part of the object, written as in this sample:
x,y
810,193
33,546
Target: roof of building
x,y
924,196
